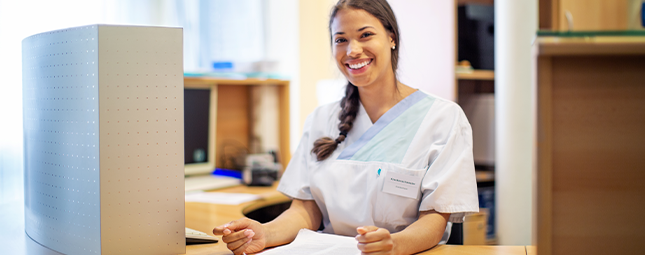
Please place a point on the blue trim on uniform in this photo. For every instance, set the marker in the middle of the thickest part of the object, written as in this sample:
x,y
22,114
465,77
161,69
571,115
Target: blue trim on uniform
x,y
393,142
381,123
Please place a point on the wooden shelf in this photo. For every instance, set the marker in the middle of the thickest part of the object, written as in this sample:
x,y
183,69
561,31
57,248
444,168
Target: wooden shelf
x,y
601,45
484,176
488,75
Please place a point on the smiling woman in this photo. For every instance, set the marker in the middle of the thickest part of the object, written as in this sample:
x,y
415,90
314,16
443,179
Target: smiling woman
x,y
358,39
400,167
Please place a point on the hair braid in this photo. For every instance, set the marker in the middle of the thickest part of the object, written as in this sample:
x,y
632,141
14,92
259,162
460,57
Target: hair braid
x,y
325,146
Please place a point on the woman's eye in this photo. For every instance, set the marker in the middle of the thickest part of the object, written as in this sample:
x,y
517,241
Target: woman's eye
x,y
366,34
340,40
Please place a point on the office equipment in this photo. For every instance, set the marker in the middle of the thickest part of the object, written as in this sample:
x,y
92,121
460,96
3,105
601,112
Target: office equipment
x,y
590,144
476,35
198,237
103,126
209,182
221,198
261,169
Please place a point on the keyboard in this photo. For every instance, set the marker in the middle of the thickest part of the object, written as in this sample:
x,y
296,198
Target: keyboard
x,y
197,237
209,182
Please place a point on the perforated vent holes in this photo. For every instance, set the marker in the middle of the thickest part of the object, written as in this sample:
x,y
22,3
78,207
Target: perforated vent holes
x,y
141,109
116,90
60,97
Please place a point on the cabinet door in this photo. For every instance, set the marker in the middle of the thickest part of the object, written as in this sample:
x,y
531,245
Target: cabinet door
x,y
591,14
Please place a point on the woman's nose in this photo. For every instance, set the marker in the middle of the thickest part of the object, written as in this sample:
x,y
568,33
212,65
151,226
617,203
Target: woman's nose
x,y
354,49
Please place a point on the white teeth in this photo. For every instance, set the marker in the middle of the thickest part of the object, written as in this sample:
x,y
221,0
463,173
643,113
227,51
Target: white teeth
x,y
358,66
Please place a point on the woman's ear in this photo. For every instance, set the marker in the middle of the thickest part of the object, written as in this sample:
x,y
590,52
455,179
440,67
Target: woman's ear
x,y
392,41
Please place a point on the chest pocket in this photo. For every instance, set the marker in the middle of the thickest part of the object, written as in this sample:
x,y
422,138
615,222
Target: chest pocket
x,y
398,197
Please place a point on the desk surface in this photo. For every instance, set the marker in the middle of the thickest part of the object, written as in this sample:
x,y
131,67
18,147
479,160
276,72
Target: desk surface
x,y
204,217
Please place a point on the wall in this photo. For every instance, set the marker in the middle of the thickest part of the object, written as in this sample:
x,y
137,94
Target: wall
x,y
427,59
316,62
282,45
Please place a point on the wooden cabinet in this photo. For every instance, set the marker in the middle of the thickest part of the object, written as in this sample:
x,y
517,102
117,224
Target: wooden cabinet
x,y
588,15
591,145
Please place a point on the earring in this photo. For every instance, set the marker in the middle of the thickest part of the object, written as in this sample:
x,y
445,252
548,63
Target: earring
x,y
393,47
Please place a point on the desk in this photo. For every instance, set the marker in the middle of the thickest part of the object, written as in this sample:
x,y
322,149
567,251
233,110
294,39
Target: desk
x,y
204,217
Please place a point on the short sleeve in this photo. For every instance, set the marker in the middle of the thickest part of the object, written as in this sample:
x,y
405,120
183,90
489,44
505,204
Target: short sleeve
x,y
449,185
294,182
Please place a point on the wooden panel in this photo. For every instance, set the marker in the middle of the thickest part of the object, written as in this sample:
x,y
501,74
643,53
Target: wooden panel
x,y
544,148
285,151
598,143
593,14
545,12
232,132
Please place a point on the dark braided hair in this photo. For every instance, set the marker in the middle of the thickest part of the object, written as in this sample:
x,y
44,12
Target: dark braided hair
x,y
325,146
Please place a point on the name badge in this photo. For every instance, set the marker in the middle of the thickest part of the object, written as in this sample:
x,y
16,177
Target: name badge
x,y
402,184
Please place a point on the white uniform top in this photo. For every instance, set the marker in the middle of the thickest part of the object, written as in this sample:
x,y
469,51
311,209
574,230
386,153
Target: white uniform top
x,y
423,140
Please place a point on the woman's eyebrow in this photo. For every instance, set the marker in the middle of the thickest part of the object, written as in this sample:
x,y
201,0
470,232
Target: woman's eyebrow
x,y
360,29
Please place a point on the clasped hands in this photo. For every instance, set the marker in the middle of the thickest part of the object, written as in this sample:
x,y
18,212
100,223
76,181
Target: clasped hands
x,y
249,236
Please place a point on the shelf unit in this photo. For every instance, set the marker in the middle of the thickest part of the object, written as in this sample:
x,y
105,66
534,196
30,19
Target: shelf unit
x,y
472,84
233,111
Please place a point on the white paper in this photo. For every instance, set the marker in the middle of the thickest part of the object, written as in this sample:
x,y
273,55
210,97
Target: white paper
x,y
221,198
313,243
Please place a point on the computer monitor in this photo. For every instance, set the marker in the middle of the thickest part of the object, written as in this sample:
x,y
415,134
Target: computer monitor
x,y
199,130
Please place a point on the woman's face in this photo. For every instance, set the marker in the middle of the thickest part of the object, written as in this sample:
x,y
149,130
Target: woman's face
x,y
361,46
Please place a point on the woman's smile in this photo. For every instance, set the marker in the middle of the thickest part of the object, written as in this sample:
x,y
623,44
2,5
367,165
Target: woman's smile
x,y
358,66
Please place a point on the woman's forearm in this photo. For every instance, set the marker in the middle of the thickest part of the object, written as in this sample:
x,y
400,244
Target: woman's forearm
x,y
421,235
284,228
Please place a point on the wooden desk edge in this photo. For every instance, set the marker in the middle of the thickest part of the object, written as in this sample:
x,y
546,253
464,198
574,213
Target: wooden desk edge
x,y
270,196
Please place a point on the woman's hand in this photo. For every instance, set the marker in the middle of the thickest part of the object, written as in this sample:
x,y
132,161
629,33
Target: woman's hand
x,y
242,236
374,240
